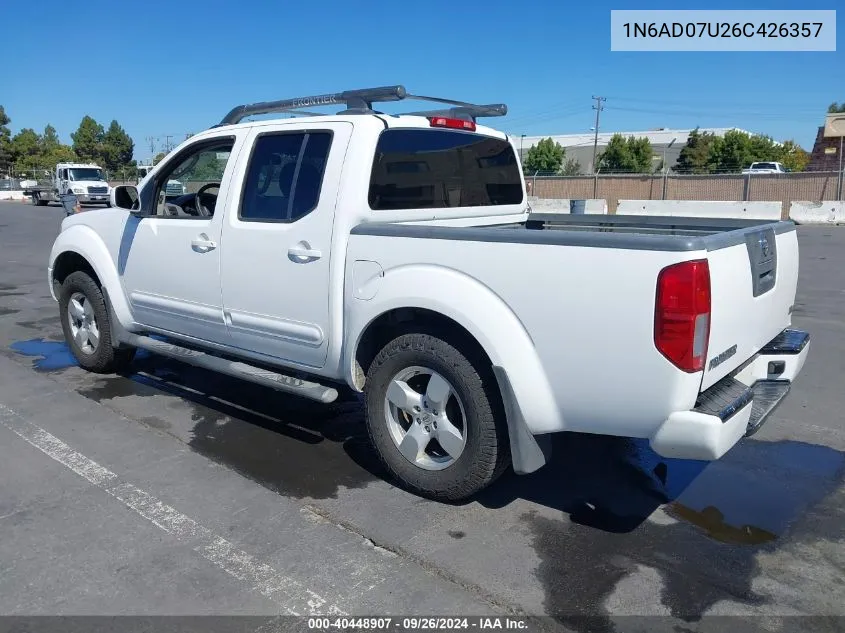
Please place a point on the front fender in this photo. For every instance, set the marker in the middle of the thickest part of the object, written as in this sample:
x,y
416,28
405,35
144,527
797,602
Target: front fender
x,y
477,308
84,241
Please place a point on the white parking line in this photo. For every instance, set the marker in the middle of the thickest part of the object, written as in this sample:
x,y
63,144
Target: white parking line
x,y
290,595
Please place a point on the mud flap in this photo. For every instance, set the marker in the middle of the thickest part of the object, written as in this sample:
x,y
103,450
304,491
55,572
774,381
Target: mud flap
x,y
528,452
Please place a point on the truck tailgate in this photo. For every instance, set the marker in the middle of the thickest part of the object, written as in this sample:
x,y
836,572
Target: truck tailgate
x,y
753,281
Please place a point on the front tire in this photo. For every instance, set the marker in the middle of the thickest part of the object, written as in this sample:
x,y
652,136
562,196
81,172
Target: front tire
x,y
86,326
435,418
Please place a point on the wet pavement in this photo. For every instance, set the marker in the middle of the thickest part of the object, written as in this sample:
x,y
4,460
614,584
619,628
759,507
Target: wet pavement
x,y
606,529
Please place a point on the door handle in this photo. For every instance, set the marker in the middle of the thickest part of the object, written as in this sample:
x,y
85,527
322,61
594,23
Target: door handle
x,y
202,244
303,252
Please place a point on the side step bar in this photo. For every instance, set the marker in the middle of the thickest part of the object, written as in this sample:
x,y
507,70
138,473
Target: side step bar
x,y
251,373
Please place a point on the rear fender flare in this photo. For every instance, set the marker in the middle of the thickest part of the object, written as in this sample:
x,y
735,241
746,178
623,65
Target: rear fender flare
x,y
528,395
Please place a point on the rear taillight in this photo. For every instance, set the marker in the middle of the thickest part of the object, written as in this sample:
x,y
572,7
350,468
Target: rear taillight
x,y
455,124
682,314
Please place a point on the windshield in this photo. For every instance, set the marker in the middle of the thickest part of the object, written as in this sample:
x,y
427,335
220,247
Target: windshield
x,y
765,166
86,173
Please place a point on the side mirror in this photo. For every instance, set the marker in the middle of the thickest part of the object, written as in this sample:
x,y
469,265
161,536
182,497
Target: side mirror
x,y
126,197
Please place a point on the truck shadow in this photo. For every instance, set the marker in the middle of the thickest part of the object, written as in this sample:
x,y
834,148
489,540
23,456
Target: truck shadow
x,y
306,449
609,483
282,441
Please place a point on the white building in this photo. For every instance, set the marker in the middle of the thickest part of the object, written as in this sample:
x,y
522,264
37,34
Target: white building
x,y
580,146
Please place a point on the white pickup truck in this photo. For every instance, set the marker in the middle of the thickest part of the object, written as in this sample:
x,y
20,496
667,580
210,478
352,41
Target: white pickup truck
x,y
397,255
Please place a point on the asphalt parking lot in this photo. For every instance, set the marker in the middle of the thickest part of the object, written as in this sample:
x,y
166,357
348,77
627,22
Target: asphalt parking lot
x,y
174,491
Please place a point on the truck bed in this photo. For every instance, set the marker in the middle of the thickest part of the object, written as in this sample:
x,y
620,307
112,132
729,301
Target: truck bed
x,y
584,289
632,232
642,225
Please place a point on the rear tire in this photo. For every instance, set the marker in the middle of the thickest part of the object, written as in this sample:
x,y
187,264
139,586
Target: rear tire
x,y
435,462
87,327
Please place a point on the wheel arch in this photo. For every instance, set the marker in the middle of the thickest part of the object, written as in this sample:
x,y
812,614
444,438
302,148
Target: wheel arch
x,y
478,320
81,248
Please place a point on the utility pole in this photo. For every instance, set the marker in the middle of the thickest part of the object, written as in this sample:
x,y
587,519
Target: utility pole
x,y
152,142
598,108
167,145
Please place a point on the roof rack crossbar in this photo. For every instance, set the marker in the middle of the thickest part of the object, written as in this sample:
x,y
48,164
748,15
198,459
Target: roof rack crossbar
x,y
468,113
351,98
361,102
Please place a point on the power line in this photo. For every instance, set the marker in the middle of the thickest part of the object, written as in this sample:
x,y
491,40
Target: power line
x,y
700,113
549,113
718,104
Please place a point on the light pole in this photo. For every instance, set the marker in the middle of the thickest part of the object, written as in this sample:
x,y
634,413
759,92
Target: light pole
x,y
521,155
835,126
671,143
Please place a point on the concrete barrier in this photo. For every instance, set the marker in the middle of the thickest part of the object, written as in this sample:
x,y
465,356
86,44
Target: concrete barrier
x,y
565,205
702,209
14,195
825,212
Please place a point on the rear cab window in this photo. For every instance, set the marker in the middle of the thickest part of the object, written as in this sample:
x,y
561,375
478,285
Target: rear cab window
x,y
420,168
285,176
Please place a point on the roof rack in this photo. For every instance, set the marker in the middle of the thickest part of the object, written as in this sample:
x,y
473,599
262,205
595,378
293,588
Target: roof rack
x,y
361,102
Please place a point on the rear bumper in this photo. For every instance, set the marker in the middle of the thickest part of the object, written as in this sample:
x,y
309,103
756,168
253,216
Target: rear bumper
x,y
736,406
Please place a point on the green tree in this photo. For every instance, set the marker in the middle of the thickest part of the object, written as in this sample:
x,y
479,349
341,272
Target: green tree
x,y
60,154
547,155
695,154
53,151
88,140
793,156
835,108
5,141
207,169
159,157
736,150
117,148
571,168
627,155
50,139
26,150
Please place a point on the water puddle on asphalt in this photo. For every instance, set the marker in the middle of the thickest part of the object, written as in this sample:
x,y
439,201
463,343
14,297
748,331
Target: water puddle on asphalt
x,y
49,355
716,518
753,494
287,444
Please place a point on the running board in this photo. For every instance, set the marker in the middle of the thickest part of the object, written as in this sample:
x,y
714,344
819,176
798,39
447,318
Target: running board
x,y
250,373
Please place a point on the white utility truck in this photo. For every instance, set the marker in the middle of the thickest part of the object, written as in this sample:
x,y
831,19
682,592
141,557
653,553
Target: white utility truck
x,y
86,181
173,188
396,254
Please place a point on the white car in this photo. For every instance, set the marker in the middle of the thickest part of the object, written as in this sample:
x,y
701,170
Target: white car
x,y
397,255
766,168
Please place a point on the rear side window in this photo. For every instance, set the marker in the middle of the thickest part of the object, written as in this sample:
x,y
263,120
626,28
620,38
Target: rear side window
x,y
284,176
435,169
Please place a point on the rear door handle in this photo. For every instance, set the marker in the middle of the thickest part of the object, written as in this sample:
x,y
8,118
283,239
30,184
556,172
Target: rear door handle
x,y
202,244
302,252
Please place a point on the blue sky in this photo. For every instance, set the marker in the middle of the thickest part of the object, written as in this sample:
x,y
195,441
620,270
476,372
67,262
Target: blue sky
x,y
167,68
